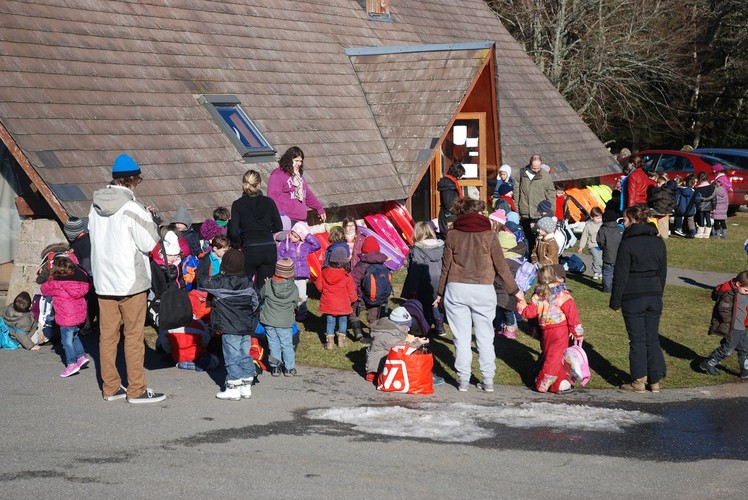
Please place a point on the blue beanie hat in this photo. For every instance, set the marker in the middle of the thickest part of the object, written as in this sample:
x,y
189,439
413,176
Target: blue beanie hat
x,y
124,166
545,207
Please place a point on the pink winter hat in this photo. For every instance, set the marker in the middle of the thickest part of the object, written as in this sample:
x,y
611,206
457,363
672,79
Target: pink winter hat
x,y
210,229
302,229
498,216
717,167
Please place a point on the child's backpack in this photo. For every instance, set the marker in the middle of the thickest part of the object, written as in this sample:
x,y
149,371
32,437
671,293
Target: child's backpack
x,y
420,326
5,341
376,285
189,268
576,364
175,309
572,264
526,274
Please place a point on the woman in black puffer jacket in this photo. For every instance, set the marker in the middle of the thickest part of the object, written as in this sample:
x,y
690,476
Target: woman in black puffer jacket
x,y
638,284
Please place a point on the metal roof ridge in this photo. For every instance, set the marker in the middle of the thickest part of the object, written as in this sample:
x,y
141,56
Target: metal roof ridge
x,y
404,49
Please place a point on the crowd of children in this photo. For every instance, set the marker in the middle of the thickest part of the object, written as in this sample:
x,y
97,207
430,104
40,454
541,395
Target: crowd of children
x,y
354,278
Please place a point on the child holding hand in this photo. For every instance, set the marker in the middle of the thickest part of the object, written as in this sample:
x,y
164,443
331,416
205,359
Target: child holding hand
x,y
558,317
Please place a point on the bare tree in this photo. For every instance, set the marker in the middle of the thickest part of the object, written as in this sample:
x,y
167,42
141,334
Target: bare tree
x,y
662,70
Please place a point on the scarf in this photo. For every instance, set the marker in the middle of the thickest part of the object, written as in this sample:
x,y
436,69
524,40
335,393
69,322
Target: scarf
x,y
472,223
298,183
456,182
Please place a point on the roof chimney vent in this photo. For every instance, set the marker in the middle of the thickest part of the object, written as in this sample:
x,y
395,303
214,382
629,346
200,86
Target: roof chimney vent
x,y
378,9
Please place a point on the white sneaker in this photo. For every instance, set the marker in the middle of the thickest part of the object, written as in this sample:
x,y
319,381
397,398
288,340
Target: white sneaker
x,y
245,390
232,391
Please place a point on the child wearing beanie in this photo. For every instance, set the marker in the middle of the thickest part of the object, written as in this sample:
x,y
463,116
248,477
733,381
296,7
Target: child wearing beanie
x,y
80,243
233,316
546,247
370,270
337,293
277,316
297,245
385,333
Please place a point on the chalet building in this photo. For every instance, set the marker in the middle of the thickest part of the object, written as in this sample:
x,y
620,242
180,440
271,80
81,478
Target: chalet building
x,y
382,96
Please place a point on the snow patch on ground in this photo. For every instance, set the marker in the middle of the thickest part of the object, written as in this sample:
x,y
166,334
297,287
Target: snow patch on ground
x,y
464,423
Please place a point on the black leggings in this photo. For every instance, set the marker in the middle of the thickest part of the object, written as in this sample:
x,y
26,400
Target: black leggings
x,y
703,219
719,224
259,262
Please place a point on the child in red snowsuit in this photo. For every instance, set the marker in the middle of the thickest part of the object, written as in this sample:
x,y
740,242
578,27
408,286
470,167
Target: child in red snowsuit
x,y
557,315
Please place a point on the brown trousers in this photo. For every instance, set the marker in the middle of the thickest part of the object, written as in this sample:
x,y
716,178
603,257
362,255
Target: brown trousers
x,y
129,311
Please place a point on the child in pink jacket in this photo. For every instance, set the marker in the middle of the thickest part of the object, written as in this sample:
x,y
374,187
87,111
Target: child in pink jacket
x,y
68,286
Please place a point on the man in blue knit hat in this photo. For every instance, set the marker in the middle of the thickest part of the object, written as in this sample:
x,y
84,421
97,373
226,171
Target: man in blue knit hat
x,y
122,234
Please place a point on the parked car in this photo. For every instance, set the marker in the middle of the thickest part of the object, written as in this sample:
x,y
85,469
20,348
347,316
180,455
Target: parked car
x,y
737,157
683,163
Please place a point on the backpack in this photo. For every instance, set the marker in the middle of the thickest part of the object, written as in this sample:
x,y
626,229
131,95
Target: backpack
x,y
420,326
376,285
175,309
189,268
5,341
572,264
576,364
526,274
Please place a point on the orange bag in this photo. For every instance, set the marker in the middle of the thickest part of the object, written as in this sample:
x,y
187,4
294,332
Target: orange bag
x,y
200,304
407,370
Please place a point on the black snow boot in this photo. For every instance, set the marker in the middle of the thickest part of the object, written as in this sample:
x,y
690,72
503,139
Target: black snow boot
x,y
358,332
709,365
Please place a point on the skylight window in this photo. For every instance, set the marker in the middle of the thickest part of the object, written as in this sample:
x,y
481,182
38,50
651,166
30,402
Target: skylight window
x,y
238,126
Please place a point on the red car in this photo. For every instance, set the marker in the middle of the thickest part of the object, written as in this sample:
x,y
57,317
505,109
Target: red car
x,y
683,163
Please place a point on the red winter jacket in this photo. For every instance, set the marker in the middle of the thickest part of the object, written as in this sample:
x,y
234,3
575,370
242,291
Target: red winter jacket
x,y
637,184
337,291
68,297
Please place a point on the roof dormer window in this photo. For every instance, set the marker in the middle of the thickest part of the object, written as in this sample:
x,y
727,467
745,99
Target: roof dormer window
x,y
238,126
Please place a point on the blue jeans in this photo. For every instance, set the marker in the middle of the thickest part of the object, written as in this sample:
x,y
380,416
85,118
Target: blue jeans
x,y
641,316
342,324
504,317
236,356
608,269
280,341
71,344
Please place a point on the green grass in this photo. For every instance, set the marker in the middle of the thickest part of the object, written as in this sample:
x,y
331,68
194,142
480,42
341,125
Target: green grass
x,y
725,256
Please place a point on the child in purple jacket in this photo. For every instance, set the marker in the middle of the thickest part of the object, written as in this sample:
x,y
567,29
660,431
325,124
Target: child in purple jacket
x,y
297,245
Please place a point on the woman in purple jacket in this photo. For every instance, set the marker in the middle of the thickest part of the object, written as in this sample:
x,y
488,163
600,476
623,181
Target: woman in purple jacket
x,y
289,190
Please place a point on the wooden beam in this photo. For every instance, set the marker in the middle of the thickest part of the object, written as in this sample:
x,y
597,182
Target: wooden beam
x,y
31,172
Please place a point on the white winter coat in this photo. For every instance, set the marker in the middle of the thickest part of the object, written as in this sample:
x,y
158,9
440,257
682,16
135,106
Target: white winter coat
x,y
122,234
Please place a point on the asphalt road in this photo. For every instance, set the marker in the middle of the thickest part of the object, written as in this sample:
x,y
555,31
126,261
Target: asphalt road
x,y
61,440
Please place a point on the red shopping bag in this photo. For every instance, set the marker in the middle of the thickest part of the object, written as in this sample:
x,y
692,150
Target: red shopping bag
x,y
407,370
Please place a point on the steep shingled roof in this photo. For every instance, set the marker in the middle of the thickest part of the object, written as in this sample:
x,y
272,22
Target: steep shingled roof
x,y
83,80
414,94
